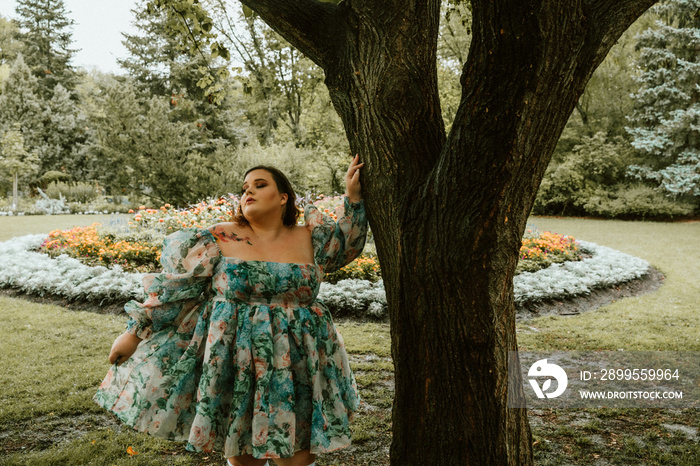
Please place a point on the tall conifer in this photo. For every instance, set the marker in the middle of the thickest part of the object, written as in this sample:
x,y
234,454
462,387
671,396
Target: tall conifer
x,y
666,117
46,31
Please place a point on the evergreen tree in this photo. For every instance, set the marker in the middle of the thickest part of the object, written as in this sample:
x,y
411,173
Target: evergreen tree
x,y
137,146
45,30
20,104
151,54
10,45
159,68
64,132
51,128
666,117
15,160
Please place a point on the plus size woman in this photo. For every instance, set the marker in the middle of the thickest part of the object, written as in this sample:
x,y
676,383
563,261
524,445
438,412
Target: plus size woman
x,y
231,350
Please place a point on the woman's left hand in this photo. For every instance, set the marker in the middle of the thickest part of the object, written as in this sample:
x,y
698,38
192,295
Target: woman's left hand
x,y
353,190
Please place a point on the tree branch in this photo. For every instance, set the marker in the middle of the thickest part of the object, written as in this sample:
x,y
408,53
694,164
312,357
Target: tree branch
x,y
611,18
308,25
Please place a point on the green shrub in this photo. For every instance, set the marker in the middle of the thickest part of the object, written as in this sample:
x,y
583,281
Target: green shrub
x,y
635,201
596,163
54,176
72,192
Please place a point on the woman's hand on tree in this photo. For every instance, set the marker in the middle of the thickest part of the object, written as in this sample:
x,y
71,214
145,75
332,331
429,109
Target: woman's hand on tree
x,y
353,189
122,349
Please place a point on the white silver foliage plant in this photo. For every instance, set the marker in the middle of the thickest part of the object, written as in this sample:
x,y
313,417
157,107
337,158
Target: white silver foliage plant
x,y
23,269
32,272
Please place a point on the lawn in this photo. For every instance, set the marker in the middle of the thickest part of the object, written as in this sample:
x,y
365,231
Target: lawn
x,y
52,360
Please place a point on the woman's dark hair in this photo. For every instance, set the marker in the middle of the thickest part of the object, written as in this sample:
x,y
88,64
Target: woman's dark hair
x,y
291,212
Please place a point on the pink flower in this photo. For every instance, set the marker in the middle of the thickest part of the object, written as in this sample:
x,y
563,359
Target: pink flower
x,y
260,368
108,379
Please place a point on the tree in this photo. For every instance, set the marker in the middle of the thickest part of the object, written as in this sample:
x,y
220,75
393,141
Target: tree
x,y
448,211
63,131
52,128
666,118
280,81
45,31
10,46
20,104
159,68
15,160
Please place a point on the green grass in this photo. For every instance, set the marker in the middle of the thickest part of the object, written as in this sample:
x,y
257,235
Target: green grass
x,y
33,224
665,320
53,359
49,354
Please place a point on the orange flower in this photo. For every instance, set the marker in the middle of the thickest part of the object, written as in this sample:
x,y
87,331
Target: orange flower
x,y
131,451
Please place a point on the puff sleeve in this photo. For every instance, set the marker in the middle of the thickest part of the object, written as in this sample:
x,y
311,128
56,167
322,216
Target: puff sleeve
x,y
337,243
188,260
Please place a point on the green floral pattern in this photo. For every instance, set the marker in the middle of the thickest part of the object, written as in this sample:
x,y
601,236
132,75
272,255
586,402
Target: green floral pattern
x,y
239,355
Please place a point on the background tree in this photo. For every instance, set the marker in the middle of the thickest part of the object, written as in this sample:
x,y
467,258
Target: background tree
x,y
159,67
10,45
15,160
45,29
279,80
595,142
20,104
52,128
666,117
451,308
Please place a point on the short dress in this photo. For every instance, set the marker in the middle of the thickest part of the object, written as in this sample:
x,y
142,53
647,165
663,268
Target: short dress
x,y
239,355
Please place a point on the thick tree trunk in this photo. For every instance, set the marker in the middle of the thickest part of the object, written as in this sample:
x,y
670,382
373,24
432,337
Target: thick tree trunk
x,y
448,212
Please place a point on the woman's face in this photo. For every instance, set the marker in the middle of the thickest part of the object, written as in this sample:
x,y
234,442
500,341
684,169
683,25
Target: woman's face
x,y
260,197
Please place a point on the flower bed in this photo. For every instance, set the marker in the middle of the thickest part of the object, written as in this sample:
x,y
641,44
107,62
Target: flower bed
x,y
539,250
24,269
135,246
92,248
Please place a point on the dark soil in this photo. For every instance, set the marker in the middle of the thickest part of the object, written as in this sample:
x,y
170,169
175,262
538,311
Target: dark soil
x,y
597,298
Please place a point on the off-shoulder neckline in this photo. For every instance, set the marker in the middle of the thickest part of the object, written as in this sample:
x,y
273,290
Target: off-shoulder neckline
x,y
216,244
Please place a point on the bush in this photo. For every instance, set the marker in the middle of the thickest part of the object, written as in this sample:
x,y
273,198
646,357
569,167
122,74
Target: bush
x,y
54,176
72,192
635,201
50,206
363,268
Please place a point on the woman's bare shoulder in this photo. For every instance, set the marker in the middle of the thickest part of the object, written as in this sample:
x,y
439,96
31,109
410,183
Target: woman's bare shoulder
x,y
224,230
303,230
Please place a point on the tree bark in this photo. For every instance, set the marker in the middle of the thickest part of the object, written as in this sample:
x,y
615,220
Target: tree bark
x,y
448,211
14,191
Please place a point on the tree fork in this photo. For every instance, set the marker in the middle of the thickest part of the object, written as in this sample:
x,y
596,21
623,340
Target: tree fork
x,y
448,212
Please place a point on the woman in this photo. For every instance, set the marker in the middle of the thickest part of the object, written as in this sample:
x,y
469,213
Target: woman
x,y
231,350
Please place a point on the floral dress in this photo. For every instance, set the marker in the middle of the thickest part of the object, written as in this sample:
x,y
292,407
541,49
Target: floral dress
x,y
239,355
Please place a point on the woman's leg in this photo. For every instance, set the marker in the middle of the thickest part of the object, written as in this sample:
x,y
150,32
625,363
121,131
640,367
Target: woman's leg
x,y
246,460
300,458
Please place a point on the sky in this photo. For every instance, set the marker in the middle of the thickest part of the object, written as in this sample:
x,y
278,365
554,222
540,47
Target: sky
x,y
96,32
